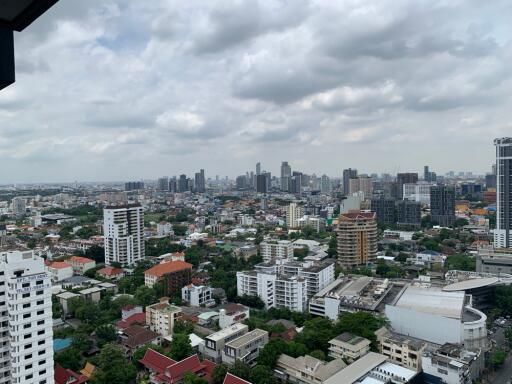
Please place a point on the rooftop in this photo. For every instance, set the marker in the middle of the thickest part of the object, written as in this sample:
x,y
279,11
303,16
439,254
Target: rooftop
x,y
168,267
227,331
247,338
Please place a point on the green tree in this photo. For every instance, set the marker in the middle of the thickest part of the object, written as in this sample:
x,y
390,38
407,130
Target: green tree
x,y
180,347
498,357
106,333
69,358
262,374
113,367
82,342
192,378
241,370
219,373
271,351
320,355
182,326
332,251
461,262
145,295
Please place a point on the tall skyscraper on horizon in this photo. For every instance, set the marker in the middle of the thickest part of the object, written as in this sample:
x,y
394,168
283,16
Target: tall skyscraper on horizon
x,y
262,185
442,205
404,178
502,234
347,175
258,168
200,182
286,174
123,231
183,183
27,333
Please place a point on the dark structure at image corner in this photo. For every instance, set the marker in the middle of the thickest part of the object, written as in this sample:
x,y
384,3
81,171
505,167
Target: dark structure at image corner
x,y
16,15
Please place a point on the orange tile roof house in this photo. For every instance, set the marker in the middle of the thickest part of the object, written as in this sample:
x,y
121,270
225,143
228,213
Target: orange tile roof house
x,y
111,272
81,264
174,275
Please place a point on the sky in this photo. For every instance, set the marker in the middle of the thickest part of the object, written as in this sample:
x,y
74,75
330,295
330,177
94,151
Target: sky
x,y
130,90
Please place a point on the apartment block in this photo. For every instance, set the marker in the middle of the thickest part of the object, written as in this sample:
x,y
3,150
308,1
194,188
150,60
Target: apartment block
x,y
25,319
81,264
276,249
246,348
198,295
348,347
293,213
357,238
161,317
174,275
214,344
403,350
123,230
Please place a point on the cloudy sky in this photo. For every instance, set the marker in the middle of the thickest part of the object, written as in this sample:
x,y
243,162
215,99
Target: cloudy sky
x,y
116,90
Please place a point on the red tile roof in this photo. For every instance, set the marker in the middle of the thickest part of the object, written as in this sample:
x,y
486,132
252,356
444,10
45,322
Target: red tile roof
x,y
110,271
80,259
67,376
232,379
136,318
169,267
174,373
156,361
60,265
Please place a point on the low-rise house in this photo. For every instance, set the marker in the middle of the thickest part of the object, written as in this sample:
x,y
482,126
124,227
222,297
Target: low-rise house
x,y
214,343
174,275
67,376
207,318
161,317
452,364
402,350
348,347
375,369
91,294
232,313
59,270
111,273
198,295
64,299
246,348
164,370
134,319
136,336
81,264
306,369
88,370
232,379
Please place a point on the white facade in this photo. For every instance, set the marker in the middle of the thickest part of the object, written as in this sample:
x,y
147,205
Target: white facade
x,y
198,295
123,229
236,315
60,271
351,203
437,316
164,229
293,213
274,290
502,233
19,206
274,250
419,192
26,319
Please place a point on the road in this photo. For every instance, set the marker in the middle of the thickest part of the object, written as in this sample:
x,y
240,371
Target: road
x,y
504,373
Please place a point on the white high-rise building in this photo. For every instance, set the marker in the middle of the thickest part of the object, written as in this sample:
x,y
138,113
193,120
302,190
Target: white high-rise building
x,y
502,233
123,230
293,213
276,249
26,334
19,206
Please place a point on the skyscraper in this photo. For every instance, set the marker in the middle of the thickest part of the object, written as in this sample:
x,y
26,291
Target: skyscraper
x,y
357,238
200,182
325,184
384,209
294,212
183,183
258,168
19,206
442,205
347,175
286,173
404,178
261,183
162,184
27,336
502,234
361,184
123,231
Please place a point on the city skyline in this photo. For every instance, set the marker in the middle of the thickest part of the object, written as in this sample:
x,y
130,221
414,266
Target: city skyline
x,y
116,91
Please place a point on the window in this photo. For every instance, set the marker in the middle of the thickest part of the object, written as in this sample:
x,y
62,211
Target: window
x,y
41,362
27,346
27,315
41,352
28,377
25,295
42,372
28,325
39,293
41,342
41,332
28,366
27,335
40,312
25,285
40,302
29,356
40,322
39,282
26,305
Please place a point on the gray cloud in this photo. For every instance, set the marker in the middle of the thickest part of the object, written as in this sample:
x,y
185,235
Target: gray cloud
x,y
141,89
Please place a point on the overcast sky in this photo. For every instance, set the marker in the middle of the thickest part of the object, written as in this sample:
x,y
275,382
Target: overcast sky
x,y
116,90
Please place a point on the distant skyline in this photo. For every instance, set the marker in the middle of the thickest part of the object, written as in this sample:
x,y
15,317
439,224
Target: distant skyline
x,y
117,90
